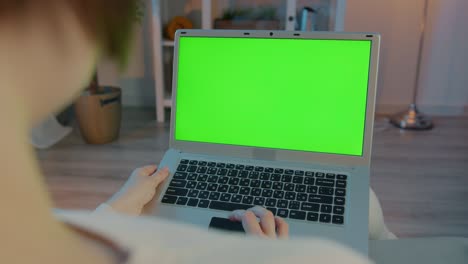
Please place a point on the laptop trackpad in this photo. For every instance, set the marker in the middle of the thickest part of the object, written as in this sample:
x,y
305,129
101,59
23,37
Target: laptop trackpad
x,y
224,224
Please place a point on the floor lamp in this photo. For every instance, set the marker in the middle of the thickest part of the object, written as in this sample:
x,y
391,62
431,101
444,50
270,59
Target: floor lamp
x,y
412,118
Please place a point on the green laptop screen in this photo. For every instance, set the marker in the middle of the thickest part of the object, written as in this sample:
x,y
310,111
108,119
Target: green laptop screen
x,y
291,94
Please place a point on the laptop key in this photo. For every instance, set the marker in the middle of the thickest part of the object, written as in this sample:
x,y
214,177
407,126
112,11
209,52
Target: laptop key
x,y
212,187
169,199
286,178
214,196
202,163
256,192
278,194
340,184
225,197
233,173
184,161
294,205
300,188
244,190
212,171
244,174
311,207
192,177
193,202
269,170
249,168
282,213
276,177
230,166
320,175
338,219
182,201
225,206
312,189
255,183
326,191
223,188
325,208
220,165
178,183
299,173
277,186
193,193
254,175
325,218
259,201
299,215
309,180
247,200
211,164
236,198
302,197
259,168
212,179
193,162
223,180
330,176
338,210
289,172
192,168
222,172
290,196
340,192
267,193
298,179
180,175
272,210
204,195
289,187
325,182
313,198
234,189
202,186
265,176
233,181
309,173
341,177
202,177
182,168
203,203
244,182
271,202
313,217
176,191
240,167
279,171
340,201
202,169
266,184
282,204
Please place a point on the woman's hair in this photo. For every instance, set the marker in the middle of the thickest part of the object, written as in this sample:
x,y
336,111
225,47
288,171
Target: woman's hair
x,y
108,22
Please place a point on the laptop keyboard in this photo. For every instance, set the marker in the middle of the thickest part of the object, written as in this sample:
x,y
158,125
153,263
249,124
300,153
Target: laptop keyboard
x,y
295,194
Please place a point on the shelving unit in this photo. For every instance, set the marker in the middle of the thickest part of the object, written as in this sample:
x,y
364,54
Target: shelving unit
x,y
163,99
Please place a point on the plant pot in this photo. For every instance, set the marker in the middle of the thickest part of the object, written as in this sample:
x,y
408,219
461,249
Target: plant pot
x,y
99,115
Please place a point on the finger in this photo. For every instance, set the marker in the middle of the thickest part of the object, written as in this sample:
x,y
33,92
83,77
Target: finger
x,y
161,175
148,170
250,224
282,228
267,220
236,215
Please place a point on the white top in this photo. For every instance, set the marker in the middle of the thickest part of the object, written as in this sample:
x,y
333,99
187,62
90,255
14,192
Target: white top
x,y
153,240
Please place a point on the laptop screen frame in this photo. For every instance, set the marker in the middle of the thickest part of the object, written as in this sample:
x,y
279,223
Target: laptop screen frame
x,y
261,153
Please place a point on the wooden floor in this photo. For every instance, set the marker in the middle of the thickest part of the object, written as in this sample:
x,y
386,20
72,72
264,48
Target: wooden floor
x,y
421,178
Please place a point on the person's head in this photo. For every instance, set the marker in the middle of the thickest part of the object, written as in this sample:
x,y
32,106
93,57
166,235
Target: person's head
x,y
49,48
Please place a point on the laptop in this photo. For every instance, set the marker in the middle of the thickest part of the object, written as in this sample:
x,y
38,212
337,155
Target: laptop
x,y
277,119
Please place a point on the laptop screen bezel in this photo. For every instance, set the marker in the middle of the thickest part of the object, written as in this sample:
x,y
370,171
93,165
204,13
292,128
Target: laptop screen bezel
x,y
280,154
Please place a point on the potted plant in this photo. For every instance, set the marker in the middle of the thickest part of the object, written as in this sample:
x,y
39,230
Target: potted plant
x,y
99,108
264,17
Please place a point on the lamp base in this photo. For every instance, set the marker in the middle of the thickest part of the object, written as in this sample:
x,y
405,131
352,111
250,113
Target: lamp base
x,y
412,119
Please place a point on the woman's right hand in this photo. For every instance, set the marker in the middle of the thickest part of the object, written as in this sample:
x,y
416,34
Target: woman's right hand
x,y
269,226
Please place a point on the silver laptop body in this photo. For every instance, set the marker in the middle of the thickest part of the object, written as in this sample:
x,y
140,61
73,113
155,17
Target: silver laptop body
x,y
354,231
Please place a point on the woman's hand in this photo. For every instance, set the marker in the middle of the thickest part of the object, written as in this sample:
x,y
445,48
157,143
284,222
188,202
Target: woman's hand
x,y
269,226
139,189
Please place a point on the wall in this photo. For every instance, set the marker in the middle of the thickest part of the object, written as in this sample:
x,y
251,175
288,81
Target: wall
x,y
444,64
